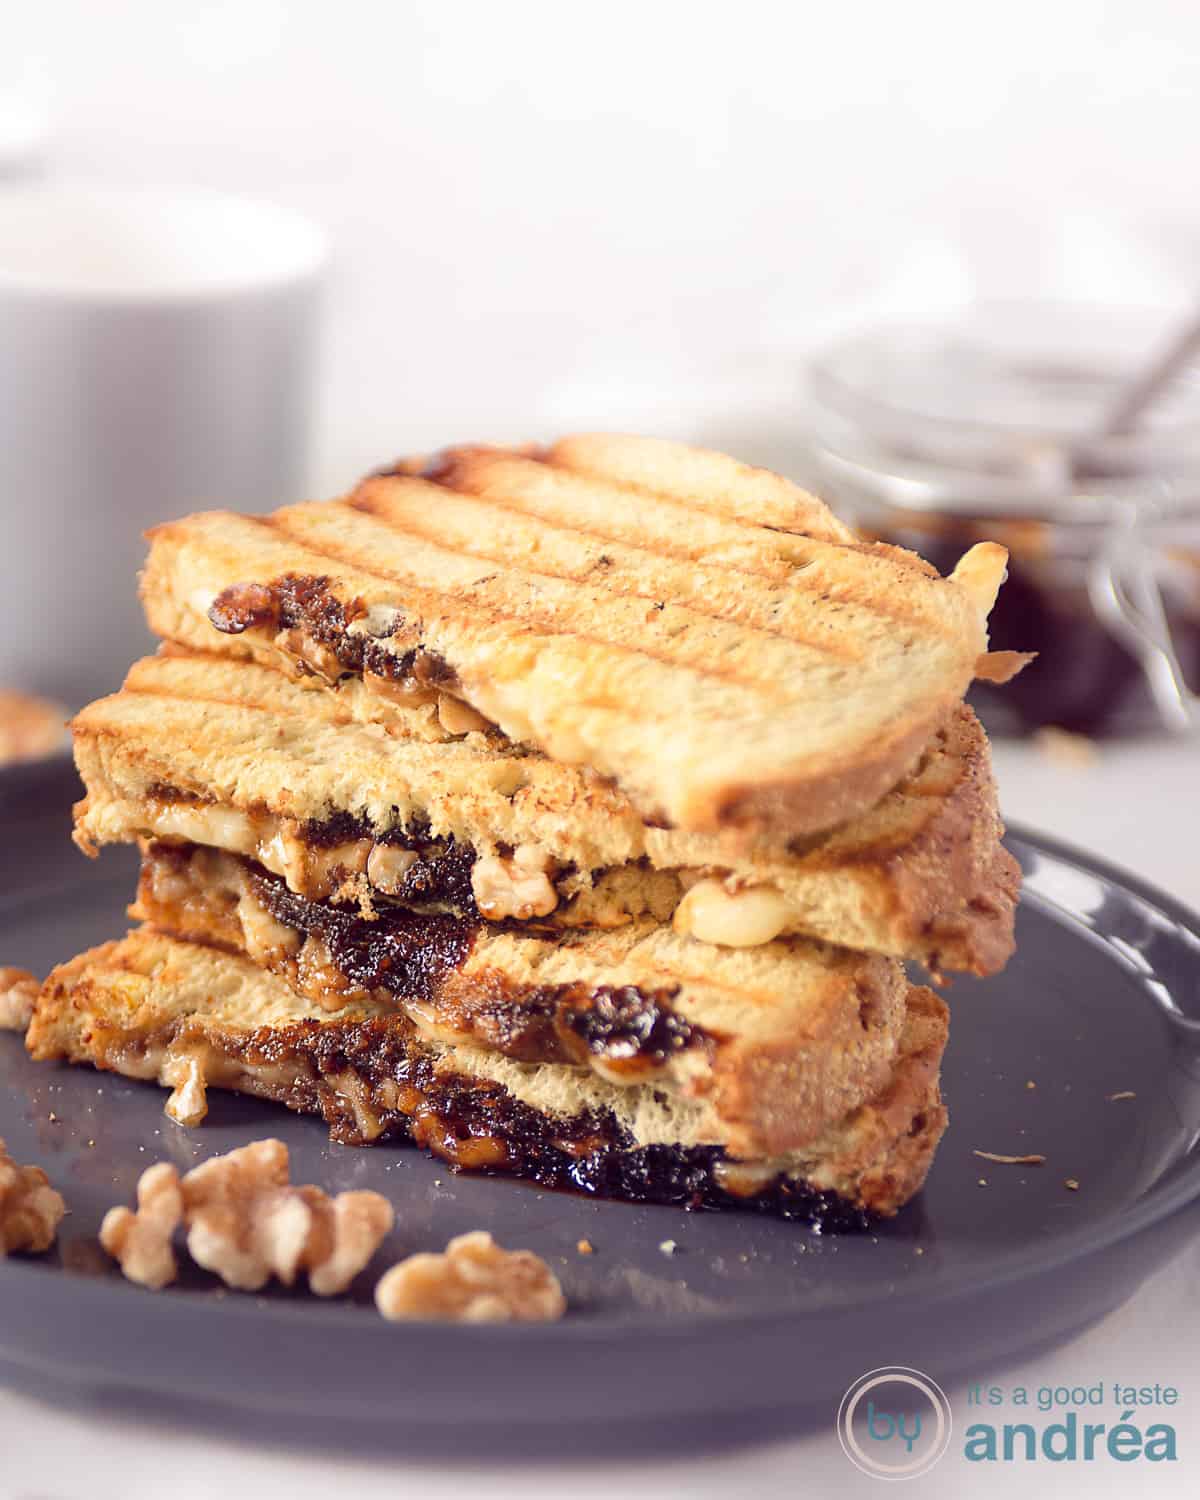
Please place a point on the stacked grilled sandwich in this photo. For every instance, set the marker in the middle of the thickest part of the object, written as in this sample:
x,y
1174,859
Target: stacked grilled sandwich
x,y
570,812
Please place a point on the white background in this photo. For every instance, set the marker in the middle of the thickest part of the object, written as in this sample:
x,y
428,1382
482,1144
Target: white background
x,y
550,212
553,214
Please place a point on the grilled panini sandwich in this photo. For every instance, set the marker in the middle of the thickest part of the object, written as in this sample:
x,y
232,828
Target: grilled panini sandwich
x,y
241,758
571,812
193,1016
706,635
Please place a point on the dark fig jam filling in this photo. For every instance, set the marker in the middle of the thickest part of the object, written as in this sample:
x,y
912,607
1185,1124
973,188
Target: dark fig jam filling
x,y
308,604
415,955
440,875
475,1124
170,796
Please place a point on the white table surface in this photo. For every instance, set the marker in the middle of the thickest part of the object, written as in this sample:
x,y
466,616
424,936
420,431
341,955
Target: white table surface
x,y
1141,808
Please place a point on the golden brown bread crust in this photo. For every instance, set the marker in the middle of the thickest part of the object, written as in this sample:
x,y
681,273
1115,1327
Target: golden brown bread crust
x,y
726,674
907,1119
698,476
949,885
824,801
140,1005
921,875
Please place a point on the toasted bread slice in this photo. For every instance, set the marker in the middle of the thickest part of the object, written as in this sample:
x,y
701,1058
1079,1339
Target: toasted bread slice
x,y
768,675
187,1015
237,756
782,1041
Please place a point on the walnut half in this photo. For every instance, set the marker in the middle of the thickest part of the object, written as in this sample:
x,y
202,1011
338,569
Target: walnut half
x,y
30,1209
141,1241
518,886
247,1223
475,1281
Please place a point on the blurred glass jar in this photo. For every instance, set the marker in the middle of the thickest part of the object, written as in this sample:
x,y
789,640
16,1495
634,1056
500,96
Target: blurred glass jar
x,y
941,435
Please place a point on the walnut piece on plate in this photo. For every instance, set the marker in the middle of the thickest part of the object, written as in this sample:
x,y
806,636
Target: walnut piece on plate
x,y
188,1103
18,991
475,1281
346,1231
141,1241
30,1209
30,727
247,1223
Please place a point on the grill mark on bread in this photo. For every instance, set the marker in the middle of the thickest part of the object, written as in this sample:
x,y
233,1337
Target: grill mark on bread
x,y
899,607
820,569
466,472
554,618
707,482
683,580
849,734
800,512
217,699
744,994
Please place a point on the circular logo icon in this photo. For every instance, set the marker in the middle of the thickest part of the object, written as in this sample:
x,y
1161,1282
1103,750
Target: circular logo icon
x,y
894,1423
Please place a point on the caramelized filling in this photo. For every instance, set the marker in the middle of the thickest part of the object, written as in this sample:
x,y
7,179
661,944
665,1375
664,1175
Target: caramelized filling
x,y
305,603
372,1081
417,958
332,849
337,858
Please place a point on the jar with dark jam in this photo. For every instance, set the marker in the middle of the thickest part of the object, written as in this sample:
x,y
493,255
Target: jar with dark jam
x,y
938,436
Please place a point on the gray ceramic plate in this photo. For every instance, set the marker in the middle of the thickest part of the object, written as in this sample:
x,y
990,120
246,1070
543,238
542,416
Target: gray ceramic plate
x,y
750,1324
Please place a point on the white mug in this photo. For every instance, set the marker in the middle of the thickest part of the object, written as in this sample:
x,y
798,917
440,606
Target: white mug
x,y
156,356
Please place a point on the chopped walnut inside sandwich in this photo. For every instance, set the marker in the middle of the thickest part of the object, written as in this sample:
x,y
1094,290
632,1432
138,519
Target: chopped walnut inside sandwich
x,y
731,916
518,886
